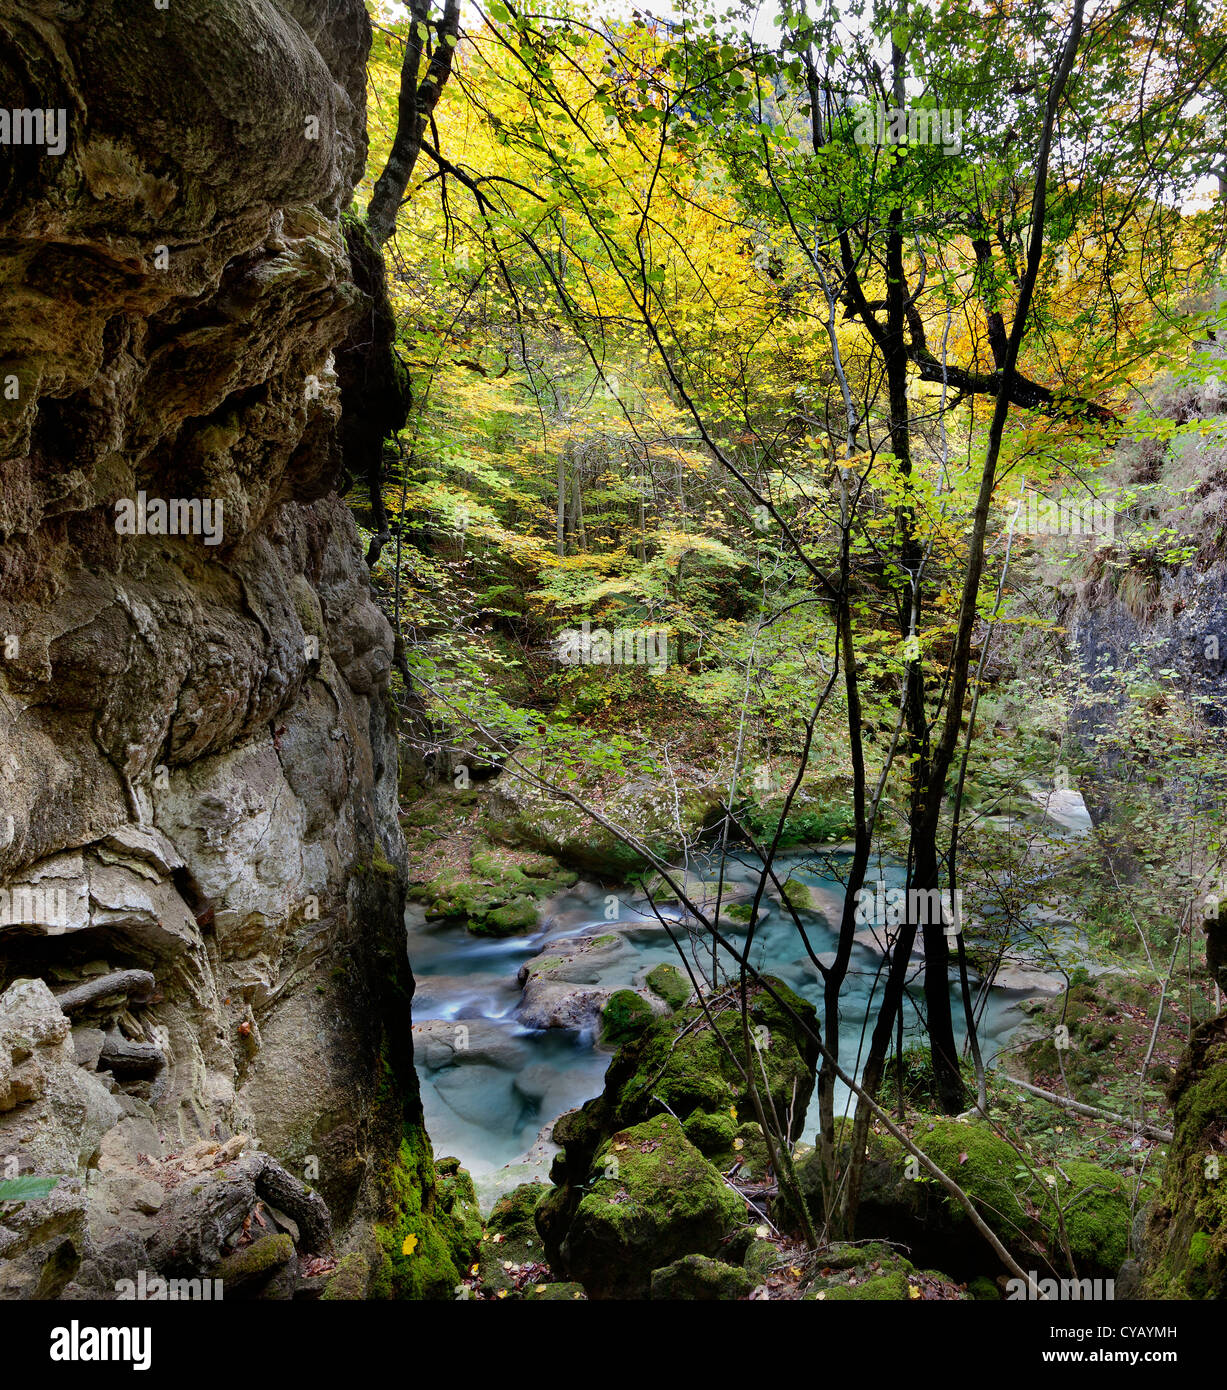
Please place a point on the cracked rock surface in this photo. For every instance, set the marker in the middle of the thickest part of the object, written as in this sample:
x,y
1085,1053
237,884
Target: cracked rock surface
x,y
197,752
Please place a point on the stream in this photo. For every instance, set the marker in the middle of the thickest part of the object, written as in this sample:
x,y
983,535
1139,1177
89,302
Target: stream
x,y
490,1085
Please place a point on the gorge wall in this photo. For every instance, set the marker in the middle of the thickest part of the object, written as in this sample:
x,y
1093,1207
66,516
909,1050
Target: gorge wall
x,y
205,998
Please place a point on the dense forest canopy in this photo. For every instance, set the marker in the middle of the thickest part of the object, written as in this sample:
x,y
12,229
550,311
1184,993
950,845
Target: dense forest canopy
x,y
843,348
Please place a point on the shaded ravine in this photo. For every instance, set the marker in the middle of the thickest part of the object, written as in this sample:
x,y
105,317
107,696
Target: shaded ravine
x,y
491,1085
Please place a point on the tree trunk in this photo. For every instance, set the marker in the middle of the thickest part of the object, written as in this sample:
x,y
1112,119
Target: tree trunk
x,y
417,101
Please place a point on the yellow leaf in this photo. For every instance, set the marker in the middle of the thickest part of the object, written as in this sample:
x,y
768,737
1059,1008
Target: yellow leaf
x,y
410,1245
913,1291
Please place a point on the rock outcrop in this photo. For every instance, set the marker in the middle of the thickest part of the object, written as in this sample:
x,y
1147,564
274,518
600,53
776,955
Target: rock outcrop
x,y
1183,1234
1048,1218
201,871
638,1182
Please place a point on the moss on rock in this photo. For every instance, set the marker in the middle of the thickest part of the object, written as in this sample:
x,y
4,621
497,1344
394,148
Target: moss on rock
x,y
668,983
651,1196
1024,1210
347,1283
889,1287
516,916
511,1241
816,821
420,1246
1185,1236
761,1259
514,1211
625,1016
456,1199
797,895
678,1065
699,1278
246,1268
495,898
710,1133
679,1061
872,1272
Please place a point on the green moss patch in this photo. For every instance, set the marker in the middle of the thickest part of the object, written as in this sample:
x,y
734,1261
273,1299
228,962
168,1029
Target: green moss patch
x,y
651,1198
421,1246
668,983
625,1016
1185,1245
697,1277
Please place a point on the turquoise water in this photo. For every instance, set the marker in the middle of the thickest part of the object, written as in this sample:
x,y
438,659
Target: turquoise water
x,y
489,1085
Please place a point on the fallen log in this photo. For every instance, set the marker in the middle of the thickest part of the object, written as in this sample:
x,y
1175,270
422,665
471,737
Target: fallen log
x,y
1094,1113
136,985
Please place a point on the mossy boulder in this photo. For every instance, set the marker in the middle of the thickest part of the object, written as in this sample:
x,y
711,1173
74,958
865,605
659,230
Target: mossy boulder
x,y
845,1255
495,898
502,1265
750,1149
701,1278
678,1065
650,1196
558,1293
541,866
761,1259
517,814
247,1271
797,895
456,1200
818,815
1184,1244
347,1283
1024,1210
891,1286
625,1016
519,915
704,893
668,983
423,814
870,1273
422,1247
513,1213
511,1244
711,1133
679,1062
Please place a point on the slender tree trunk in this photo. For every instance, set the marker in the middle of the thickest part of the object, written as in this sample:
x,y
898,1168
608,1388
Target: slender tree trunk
x,y
925,832
417,101
562,504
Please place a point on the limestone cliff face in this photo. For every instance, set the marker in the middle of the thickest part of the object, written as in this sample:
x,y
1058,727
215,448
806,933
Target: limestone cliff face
x,y
199,848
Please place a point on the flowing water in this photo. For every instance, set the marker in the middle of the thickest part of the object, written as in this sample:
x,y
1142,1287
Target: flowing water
x,y
489,1085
